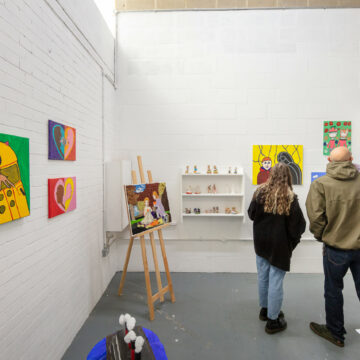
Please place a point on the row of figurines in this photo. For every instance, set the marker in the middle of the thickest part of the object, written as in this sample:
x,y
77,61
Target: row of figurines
x,y
214,210
209,171
211,189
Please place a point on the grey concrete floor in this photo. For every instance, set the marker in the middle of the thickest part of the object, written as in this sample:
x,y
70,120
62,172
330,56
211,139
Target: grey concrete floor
x,y
216,317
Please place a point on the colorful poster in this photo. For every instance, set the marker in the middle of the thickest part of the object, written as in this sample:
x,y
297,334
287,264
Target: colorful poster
x,y
148,206
266,156
336,133
316,175
61,195
14,178
62,142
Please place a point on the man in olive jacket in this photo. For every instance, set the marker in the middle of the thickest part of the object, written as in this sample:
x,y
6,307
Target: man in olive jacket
x,y
333,208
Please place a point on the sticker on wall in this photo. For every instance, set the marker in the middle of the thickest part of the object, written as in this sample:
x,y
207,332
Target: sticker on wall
x,y
266,156
316,175
148,206
14,178
336,133
62,142
62,195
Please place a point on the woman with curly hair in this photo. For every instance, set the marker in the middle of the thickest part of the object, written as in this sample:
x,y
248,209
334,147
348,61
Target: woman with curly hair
x,y
278,226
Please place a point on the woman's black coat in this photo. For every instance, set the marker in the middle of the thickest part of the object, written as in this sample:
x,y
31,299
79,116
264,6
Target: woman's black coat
x,y
276,236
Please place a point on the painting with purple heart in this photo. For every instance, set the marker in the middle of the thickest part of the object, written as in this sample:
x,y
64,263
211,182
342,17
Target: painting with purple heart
x,y
62,142
62,196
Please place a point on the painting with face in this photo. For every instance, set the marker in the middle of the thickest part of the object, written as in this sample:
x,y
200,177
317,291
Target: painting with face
x,y
14,178
61,195
148,206
266,156
336,133
62,142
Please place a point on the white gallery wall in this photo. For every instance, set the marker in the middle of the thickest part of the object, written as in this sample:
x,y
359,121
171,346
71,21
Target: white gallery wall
x,y
202,87
51,271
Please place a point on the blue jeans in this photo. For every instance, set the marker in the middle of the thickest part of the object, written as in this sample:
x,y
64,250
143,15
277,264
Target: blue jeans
x,y
270,282
336,264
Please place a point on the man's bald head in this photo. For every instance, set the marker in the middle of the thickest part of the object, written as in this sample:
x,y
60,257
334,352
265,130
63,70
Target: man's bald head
x,y
340,153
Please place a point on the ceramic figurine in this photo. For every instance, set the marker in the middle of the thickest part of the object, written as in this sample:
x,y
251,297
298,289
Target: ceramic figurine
x,y
214,189
234,211
217,209
215,171
187,169
229,171
189,190
209,189
187,210
208,170
227,210
195,169
235,170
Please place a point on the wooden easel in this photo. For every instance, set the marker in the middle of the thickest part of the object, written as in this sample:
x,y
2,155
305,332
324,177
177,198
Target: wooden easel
x,y
162,290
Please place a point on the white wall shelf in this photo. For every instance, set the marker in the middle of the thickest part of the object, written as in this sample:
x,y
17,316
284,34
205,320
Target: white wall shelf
x,y
230,193
213,215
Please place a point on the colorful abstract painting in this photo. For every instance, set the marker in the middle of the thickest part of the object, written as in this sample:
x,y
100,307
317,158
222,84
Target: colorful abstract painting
x,y
62,142
336,133
266,156
148,206
62,195
14,178
316,175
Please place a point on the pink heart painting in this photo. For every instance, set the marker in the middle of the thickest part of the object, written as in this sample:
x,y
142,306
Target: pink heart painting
x,y
69,141
62,195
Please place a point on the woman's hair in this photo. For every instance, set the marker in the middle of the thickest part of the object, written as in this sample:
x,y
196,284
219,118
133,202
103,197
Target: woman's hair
x,y
146,199
276,194
155,194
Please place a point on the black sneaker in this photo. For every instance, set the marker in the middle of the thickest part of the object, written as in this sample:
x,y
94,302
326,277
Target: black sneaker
x,y
263,314
274,326
324,332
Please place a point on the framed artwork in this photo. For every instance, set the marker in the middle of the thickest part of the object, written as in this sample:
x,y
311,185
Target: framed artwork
x,y
336,133
14,178
61,195
62,142
316,175
266,156
148,206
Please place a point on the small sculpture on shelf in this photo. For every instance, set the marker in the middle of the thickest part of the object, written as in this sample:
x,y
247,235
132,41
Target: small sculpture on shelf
x,y
208,170
215,171
214,189
197,211
187,210
196,171
189,190
229,171
235,170
187,170
234,211
227,211
209,189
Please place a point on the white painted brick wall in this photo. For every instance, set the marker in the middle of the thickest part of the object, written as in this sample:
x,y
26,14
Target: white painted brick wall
x,y
203,87
51,271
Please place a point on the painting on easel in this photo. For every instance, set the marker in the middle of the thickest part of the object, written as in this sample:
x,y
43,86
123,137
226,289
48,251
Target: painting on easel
x,y
148,206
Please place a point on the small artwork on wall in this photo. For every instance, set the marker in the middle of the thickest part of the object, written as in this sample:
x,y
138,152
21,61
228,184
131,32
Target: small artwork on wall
x,y
62,195
14,178
316,175
148,206
336,133
266,156
62,142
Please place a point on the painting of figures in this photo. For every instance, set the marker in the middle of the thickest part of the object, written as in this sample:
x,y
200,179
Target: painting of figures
x,y
336,133
14,178
62,196
62,142
266,156
148,206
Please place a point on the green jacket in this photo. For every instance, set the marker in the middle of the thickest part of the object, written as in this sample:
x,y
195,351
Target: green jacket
x,y
333,206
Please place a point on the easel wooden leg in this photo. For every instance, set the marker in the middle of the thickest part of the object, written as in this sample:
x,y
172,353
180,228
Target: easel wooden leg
x,y
156,264
167,270
147,279
123,276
